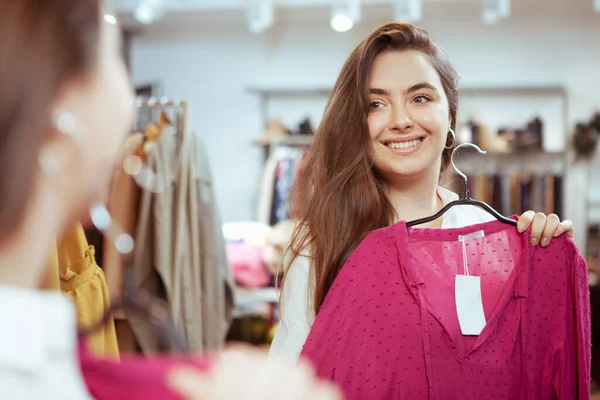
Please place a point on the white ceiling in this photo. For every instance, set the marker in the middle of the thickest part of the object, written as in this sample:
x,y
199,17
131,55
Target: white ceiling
x,y
228,13
212,5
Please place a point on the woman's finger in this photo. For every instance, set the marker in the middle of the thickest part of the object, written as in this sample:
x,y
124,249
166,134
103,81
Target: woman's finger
x,y
537,228
565,227
525,221
552,223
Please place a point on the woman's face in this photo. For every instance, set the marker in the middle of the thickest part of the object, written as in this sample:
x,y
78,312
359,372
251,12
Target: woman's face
x,y
103,103
408,115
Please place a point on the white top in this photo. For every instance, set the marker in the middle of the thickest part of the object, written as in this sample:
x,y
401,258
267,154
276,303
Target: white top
x,y
38,346
297,303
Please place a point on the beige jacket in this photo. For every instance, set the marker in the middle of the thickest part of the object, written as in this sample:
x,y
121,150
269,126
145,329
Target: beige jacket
x,y
217,280
180,252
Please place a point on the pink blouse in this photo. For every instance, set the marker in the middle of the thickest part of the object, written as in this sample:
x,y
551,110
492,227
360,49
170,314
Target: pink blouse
x,y
388,328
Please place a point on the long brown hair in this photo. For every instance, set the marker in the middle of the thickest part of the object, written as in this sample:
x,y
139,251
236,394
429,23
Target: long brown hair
x,y
339,197
44,44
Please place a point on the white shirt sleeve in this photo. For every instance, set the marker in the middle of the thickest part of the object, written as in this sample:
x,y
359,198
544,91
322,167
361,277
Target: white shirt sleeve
x,y
297,315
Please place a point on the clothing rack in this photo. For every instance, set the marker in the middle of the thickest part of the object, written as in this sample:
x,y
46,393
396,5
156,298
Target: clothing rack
x,y
285,163
172,213
149,109
158,102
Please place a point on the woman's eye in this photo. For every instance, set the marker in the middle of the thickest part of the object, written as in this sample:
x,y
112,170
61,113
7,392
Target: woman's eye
x,y
376,104
421,99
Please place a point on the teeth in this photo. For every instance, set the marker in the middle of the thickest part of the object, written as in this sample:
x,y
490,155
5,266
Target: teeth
x,y
404,145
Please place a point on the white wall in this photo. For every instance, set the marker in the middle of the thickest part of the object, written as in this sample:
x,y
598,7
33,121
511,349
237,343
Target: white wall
x,y
211,66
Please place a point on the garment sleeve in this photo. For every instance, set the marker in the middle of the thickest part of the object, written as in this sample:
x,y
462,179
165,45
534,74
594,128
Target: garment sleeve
x,y
574,380
296,312
583,346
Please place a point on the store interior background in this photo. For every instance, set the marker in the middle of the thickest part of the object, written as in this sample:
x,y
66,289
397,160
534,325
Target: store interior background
x,y
542,59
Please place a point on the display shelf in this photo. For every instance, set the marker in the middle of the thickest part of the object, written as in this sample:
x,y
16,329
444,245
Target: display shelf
x,y
255,301
292,140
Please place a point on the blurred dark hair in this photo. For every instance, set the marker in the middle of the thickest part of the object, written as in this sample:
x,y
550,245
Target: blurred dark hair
x,y
43,45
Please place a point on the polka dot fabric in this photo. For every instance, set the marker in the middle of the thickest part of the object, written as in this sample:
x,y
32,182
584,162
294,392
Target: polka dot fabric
x,y
388,328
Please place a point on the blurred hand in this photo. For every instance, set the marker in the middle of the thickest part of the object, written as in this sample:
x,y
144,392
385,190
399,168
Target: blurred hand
x,y
245,373
543,228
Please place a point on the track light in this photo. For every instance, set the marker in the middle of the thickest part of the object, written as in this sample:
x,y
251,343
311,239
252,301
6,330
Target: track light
x,y
493,11
148,11
259,15
345,14
408,10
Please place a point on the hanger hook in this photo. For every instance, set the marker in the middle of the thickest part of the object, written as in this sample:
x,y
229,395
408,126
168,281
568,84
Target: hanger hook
x,y
459,172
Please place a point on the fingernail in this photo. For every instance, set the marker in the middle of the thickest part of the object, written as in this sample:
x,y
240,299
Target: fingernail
x,y
534,242
545,241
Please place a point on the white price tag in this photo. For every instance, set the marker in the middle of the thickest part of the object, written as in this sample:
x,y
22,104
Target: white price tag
x,y
469,304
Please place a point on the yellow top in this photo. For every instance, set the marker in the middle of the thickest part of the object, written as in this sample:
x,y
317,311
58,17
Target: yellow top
x,y
73,269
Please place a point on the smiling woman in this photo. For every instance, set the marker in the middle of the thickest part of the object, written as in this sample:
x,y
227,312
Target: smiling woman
x,y
385,137
397,87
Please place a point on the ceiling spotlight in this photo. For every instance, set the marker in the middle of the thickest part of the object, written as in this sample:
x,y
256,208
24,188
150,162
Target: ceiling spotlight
x,y
260,15
341,22
493,11
408,10
148,11
345,14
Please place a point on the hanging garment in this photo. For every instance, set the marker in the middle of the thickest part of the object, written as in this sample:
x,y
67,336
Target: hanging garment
x,y
558,195
507,207
286,175
153,253
218,286
123,206
38,346
389,327
515,194
279,175
134,378
180,250
549,194
267,188
247,264
73,261
154,258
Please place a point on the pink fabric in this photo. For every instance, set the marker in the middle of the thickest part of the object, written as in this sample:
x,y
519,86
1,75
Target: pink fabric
x,y
388,328
247,265
134,378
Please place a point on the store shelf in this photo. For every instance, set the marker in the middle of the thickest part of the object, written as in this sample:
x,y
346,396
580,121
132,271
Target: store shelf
x,y
292,140
290,91
471,162
244,296
249,302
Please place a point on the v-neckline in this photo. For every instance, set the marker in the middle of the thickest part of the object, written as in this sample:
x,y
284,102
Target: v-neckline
x,y
412,272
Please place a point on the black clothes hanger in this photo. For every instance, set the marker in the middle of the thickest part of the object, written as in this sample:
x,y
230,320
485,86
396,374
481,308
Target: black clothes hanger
x,y
467,200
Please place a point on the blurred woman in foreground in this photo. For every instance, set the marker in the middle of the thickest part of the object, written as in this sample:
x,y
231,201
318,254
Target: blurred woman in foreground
x,y
65,106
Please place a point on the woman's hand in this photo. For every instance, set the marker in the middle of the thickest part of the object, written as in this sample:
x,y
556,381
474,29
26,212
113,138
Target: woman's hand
x,y
248,374
543,228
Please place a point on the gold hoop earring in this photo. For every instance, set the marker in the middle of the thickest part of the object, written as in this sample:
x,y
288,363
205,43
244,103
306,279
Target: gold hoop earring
x,y
451,132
